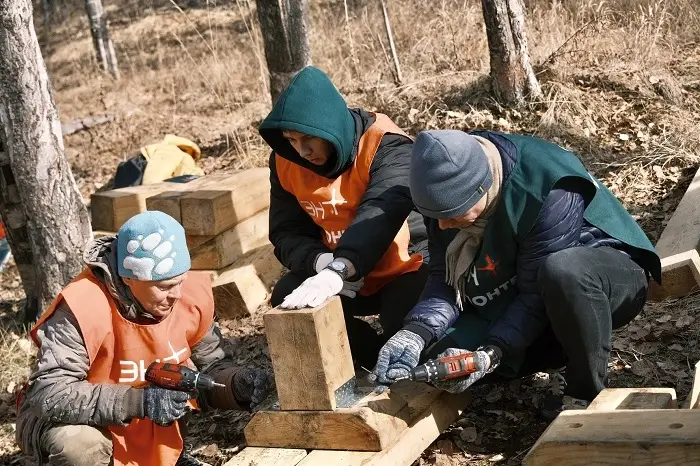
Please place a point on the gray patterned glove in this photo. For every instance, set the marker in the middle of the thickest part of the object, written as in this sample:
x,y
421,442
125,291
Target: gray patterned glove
x,y
251,385
397,357
164,406
483,363
350,289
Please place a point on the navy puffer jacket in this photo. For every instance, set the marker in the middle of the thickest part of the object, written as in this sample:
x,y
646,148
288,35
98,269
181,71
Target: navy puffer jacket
x,y
560,225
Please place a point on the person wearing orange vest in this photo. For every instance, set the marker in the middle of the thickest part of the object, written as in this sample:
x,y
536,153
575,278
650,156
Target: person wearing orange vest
x,y
340,210
87,401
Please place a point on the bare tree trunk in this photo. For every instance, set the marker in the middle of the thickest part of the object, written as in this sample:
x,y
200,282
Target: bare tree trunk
x,y
46,221
99,27
513,78
284,29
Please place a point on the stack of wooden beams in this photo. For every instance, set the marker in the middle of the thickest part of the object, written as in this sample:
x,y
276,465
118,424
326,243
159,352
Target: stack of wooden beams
x,y
225,217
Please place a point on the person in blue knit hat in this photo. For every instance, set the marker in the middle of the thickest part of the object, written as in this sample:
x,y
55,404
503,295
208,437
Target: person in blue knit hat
x,y
137,301
533,264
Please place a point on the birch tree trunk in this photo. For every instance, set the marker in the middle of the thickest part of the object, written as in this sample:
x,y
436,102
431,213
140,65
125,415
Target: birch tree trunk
x,y
284,29
104,48
45,219
512,76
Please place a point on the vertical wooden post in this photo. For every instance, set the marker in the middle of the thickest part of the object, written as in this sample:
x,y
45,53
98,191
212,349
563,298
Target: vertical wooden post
x,y
310,355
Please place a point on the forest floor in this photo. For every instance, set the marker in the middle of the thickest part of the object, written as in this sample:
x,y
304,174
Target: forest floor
x,y
622,90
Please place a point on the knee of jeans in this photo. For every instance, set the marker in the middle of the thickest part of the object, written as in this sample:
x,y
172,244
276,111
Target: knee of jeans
x,y
559,271
78,445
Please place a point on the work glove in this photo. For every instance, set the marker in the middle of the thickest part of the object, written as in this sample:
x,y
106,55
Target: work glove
x,y
397,357
322,261
314,290
350,289
251,385
164,406
483,361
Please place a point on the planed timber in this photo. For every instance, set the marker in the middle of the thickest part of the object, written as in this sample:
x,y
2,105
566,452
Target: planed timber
x,y
217,252
424,429
678,248
629,437
208,212
110,209
373,424
692,400
169,201
634,398
242,287
310,355
253,456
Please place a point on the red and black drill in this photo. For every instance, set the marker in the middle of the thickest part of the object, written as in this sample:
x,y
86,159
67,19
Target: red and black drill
x,y
180,378
445,368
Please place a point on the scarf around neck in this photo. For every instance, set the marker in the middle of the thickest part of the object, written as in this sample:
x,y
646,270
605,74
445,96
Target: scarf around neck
x,y
462,250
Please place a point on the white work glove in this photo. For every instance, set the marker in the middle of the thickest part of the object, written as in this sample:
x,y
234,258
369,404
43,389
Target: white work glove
x,y
314,290
484,365
322,261
350,289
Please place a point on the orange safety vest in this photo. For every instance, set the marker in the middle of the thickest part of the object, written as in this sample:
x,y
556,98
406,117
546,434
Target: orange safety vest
x,y
332,203
120,351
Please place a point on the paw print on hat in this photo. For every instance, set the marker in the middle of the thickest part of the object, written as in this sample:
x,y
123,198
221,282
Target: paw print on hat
x,y
151,246
160,250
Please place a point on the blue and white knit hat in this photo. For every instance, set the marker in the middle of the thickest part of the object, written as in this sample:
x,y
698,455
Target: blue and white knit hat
x,y
152,246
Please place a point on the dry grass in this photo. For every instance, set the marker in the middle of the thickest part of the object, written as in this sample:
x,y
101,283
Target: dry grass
x,y
200,73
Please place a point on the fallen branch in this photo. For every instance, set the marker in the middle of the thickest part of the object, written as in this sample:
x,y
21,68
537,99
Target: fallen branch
x,y
82,124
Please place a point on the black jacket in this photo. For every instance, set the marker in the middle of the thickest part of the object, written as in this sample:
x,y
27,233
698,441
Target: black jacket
x,y
380,214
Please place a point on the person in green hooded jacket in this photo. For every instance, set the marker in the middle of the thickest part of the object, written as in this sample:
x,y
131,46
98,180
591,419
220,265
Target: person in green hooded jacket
x,y
341,215
534,263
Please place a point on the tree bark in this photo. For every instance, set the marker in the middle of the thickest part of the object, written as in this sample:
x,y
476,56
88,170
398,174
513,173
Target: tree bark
x,y
284,29
99,27
512,76
45,219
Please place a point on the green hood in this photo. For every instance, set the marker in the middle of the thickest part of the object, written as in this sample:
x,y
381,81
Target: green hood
x,y
311,105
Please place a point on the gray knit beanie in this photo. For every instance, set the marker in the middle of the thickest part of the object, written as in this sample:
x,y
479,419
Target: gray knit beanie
x,y
449,173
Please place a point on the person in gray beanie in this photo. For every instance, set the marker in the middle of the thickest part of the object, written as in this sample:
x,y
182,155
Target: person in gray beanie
x,y
533,263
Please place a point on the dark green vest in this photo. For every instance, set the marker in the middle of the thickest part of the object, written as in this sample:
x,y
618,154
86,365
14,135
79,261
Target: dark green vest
x,y
539,166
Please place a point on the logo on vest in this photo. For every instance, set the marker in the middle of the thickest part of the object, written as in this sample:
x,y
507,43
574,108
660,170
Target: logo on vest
x,y
490,266
132,371
483,300
317,209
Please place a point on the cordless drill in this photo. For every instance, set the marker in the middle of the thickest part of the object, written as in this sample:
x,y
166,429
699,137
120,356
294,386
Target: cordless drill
x,y
448,367
178,377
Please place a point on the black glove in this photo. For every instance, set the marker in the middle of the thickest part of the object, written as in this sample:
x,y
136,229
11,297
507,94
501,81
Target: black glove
x,y
251,385
164,406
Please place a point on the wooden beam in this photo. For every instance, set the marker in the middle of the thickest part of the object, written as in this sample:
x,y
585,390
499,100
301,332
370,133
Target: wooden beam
x,y
210,211
373,424
242,287
217,252
253,456
110,209
310,355
635,437
169,201
634,398
692,400
425,428
678,248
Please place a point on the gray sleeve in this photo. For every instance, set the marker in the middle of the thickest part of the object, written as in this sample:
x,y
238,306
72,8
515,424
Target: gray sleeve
x,y
211,358
58,389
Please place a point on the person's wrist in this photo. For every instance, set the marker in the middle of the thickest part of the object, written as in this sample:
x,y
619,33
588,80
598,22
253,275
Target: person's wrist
x,y
421,330
133,404
322,260
340,267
